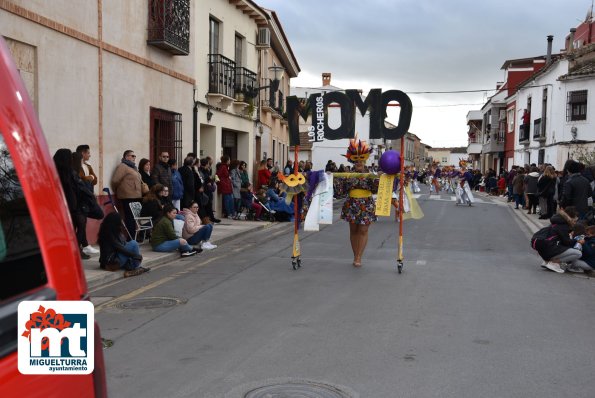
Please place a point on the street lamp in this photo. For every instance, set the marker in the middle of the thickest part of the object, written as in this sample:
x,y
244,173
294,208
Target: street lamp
x,y
277,71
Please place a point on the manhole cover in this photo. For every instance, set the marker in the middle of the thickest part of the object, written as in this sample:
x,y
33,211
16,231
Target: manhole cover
x,y
297,390
148,303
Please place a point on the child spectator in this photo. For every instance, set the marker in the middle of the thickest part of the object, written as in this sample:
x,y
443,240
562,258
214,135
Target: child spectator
x,y
248,201
501,185
588,257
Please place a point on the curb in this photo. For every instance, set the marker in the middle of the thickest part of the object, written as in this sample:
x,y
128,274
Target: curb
x,y
103,277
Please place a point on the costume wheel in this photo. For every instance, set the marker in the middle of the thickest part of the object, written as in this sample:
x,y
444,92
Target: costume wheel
x,y
299,262
399,267
294,264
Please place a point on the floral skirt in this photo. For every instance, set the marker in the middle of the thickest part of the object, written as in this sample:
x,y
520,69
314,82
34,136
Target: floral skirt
x,y
359,211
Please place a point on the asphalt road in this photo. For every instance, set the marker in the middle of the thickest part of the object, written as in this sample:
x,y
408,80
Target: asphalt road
x,y
472,315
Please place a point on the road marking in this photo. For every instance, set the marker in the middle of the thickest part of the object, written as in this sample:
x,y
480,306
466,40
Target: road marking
x,y
153,285
421,262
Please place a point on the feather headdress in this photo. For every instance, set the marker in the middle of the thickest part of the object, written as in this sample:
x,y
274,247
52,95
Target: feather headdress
x,y
357,151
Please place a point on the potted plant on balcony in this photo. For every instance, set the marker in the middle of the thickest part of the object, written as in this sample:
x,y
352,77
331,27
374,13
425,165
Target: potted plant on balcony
x,y
239,93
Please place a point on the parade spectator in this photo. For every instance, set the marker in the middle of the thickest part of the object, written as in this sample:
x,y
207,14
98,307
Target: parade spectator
x,y
236,186
164,239
248,201
270,164
557,247
224,187
546,189
86,172
288,169
162,171
195,232
531,189
176,183
187,175
69,181
518,188
264,174
244,172
588,256
127,184
501,185
116,253
276,201
577,189
144,168
154,202
509,179
209,187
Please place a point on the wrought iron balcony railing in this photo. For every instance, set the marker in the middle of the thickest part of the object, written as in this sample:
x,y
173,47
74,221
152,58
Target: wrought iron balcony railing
x,y
222,75
169,25
280,103
245,83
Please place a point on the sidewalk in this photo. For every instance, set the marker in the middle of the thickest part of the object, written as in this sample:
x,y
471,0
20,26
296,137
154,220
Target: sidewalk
x,y
223,232
531,220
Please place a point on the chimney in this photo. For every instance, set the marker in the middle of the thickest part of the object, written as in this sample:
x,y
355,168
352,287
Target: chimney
x,y
571,40
326,79
548,57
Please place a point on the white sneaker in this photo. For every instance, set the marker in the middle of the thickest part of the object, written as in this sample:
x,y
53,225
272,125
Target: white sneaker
x,y
554,267
90,250
208,246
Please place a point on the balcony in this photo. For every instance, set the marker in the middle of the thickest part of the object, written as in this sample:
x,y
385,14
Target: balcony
x,y
222,78
539,129
494,143
245,84
169,25
524,134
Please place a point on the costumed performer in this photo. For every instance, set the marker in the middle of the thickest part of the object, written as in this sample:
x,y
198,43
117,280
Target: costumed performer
x,y
463,190
411,208
359,207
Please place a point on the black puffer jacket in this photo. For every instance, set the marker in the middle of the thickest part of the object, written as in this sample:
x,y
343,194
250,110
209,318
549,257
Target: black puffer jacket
x,y
559,237
577,191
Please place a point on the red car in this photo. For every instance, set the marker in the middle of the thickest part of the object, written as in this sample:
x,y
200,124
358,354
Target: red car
x,y
39,256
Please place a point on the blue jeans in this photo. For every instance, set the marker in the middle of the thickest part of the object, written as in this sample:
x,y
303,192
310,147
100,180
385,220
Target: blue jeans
x,y
204,233
228,205
519,199
171,245
126,262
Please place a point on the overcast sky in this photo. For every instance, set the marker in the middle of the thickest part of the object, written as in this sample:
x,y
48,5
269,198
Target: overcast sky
x,y
420,46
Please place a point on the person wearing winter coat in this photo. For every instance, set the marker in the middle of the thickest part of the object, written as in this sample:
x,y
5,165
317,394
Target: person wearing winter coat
x,y
236,186
546,188
187,175
558,247
225,188
115,252
164,239
531,190
518,188
588,256
194,231
176,183
577,189
162,171
127,184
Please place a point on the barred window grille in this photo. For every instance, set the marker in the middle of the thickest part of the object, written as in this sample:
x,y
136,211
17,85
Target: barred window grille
x,y
222,75
166,134
576,105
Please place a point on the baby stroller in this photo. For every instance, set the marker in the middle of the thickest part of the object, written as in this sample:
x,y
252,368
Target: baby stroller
x,y
267,213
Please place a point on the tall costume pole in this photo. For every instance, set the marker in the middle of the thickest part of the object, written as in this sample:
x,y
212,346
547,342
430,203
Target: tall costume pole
x,y
401,193
296,261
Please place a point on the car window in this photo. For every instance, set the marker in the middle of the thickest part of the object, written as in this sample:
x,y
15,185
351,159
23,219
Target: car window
x,y
21,264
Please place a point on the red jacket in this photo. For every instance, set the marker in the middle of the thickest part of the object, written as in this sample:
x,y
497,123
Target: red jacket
x,y
501,183
264,176
224,185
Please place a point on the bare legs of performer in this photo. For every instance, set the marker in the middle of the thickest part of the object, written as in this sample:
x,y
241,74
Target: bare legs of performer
x,y
358,235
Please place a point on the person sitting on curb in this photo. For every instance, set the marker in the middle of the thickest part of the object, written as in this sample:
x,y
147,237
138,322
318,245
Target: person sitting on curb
x,y
164,239
154,201
277,202
194,231
557,246
115,252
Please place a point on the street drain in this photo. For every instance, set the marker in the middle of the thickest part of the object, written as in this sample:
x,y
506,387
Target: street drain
x,y
148,303
305,389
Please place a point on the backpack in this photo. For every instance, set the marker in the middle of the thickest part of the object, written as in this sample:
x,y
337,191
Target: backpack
x,y
542,236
